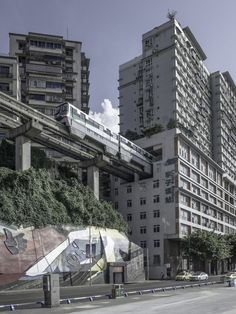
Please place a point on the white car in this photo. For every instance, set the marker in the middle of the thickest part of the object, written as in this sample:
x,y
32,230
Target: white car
x,y
199,276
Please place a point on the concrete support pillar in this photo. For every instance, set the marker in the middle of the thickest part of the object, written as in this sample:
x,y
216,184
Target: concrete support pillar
x,y
22,153
93,180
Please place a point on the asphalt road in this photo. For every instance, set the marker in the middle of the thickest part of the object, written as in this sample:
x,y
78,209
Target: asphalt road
x,y
36,295
213,299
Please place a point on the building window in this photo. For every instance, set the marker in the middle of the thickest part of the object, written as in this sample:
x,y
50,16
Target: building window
x,y
195,204
185,200
184,151
4,87
54,85
195,159
129,189
185,230
143,215
156,243
143,244
143,229
129,217
195,176
195,189
184,184
37,97
184,215
204,209
156,184
156,228
129,203
142,201
184,169
116,205
212,173
204,183
156,213
204,195
144,261
116,191
156,198
204,166
156,260
4,71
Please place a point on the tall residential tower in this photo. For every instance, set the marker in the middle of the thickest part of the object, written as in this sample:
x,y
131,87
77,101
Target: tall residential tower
x,y
184,115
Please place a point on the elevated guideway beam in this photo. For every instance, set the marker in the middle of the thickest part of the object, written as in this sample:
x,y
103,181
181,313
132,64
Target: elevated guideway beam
x,y
56,136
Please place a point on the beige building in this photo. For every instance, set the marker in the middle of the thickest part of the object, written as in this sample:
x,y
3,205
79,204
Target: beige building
x,y
52,70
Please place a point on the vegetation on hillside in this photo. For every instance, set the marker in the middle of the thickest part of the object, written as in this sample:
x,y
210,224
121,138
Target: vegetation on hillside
x,y
33,198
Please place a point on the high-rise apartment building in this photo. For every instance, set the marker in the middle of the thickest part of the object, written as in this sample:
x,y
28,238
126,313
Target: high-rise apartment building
x,y
9,76
9,81
169,89
52,70
167,84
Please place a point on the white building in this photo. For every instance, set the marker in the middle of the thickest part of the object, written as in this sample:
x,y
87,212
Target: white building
x,y
193,187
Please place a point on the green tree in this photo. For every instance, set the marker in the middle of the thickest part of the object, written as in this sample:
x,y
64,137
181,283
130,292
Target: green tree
x,y
132,135
206,247
153,130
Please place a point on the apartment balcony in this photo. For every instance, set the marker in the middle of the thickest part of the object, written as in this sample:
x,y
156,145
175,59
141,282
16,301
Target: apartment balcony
x,y
70,77
43,69
45,90
46,50
6,75
35,102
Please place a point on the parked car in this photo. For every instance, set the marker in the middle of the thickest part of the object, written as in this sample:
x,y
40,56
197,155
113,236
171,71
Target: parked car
x,y
230,275
183,275
199,275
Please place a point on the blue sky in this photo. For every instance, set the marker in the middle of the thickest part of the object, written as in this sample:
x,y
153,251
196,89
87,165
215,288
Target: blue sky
x,y
111,31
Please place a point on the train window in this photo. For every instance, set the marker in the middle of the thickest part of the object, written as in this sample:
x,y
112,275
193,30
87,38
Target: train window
x,y
64,108
82,116
57,111
96,124
107,131
122,139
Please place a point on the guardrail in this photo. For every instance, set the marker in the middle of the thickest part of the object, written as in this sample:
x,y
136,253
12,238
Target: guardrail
x,y
92,298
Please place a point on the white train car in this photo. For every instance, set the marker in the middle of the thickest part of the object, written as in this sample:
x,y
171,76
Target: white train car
x,y
83,126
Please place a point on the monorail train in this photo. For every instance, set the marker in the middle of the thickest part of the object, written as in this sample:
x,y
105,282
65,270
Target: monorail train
x,y
81,125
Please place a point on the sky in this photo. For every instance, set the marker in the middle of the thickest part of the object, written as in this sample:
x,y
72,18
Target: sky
x,y
111,33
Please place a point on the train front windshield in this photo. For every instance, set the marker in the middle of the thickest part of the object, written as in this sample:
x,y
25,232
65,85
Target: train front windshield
x,y
61,111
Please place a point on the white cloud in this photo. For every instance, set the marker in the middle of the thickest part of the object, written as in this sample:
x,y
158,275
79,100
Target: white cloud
x,y
108,117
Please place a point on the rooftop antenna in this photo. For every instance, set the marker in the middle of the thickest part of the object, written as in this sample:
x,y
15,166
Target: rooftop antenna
x,y
171,14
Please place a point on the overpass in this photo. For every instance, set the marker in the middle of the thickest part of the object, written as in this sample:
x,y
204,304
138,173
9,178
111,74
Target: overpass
x,y
25,124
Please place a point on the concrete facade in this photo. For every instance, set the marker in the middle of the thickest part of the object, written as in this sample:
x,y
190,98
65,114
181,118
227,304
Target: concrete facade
x,y
167,83
9,80
193,185
52,70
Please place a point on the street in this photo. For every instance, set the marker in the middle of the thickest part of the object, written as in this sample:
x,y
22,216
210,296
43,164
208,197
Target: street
x,y
217,299
34,295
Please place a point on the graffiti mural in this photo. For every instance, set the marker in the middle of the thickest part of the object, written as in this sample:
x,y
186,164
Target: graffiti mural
x,y
77,251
